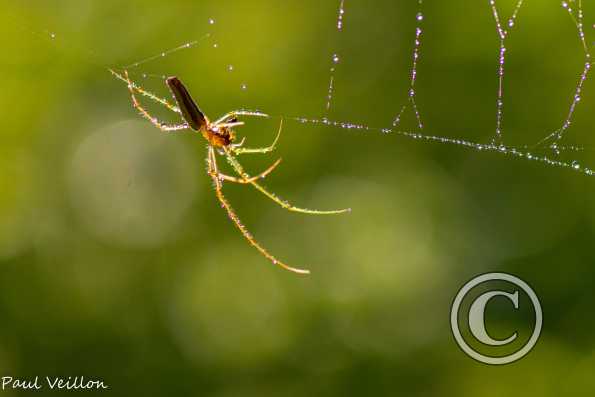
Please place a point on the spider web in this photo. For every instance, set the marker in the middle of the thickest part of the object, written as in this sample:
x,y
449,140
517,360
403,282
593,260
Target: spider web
x,y
546,150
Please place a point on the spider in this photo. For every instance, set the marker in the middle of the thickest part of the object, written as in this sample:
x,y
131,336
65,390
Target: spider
x,y
221,141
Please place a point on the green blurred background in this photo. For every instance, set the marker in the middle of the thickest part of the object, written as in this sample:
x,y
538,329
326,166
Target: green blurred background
x,y
117,263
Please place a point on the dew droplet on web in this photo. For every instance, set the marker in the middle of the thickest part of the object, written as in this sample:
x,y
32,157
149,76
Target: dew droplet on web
x,y
211,21
496,145
341,15
52,35
576,165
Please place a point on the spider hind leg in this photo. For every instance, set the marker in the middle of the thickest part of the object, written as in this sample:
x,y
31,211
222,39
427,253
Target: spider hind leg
x,y
244,181
284,204
214,172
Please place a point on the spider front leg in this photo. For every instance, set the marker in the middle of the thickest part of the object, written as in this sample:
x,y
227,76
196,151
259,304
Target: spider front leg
x,y
162,126
132,87
241,150
214,174
146,93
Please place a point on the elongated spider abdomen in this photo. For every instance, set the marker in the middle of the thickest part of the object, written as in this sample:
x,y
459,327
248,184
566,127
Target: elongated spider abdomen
x,y
218,136
190,111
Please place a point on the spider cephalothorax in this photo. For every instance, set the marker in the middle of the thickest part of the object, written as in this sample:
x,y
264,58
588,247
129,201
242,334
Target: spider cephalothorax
x,y
220,136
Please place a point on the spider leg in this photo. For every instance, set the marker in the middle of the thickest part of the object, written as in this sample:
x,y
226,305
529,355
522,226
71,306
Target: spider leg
x,y
230,125
239,144
268,149
243,181
214,174
145,93
147,115
236,113
240,170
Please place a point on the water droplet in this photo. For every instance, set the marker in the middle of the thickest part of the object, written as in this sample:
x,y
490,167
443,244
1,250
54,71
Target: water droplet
x,y
215,45
211,21
336,58
564,4
230,68
576,165
52,35
510,23
244,87
420,16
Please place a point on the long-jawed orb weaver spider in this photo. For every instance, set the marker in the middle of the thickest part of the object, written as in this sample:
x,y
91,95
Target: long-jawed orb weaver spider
x,y
220,137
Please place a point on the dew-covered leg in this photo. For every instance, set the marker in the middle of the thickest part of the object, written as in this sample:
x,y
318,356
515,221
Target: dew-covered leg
x,y
144,92
214,173
231,125
268,149
162,126
243,181
240,171
239,144
233,115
